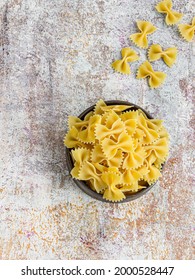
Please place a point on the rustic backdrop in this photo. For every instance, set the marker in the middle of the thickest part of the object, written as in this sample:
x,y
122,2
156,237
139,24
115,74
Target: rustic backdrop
x,y
55,61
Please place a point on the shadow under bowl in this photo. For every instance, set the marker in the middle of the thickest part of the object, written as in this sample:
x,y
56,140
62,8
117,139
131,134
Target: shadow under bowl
x,y
82,184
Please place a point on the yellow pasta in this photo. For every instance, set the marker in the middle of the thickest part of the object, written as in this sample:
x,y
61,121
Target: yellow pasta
x,y
79,155
131,177
150,134
140,39
116,150
113,127
71,139
154,124
130,126
135,158
98,107
159,148
87,134
89,172
112,193
115,108
101,108
122,66
169,55
129,115
155,78
97,156
165,7
110,146
187,30
152,175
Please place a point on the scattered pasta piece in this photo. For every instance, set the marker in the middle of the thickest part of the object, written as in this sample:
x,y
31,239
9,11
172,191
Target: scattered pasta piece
x,y
122,66
187,30
169,55
155,78
140,39
165,7
116,150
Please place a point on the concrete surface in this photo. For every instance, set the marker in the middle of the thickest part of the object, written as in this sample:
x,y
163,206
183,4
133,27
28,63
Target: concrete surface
x,y
55,61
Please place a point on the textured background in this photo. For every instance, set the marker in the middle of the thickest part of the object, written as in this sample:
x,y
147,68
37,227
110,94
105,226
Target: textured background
x,y
55,61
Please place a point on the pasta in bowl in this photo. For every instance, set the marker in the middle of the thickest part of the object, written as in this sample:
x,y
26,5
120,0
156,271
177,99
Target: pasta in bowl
x,y
115,150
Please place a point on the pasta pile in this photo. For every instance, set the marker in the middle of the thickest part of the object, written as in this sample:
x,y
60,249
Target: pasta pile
x,y
116,150
155,51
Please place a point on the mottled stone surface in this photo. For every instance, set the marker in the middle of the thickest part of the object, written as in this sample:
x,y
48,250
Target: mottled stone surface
x,y
55,61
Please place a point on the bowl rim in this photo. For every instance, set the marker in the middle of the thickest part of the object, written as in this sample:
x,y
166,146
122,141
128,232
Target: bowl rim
x,y
81,184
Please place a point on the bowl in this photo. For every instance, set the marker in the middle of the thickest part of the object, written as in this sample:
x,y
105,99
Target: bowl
x,y
82,184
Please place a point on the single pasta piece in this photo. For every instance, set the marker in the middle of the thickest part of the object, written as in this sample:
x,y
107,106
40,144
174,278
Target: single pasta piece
x,y
89,172
80,156
187,30
122,66
140,39
165,7
117,150
169,55
155,78
112,193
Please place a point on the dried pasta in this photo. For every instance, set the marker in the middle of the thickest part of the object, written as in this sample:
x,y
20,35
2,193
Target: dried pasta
x,y
187,30
165,7
121,151
169,55
155,78
140,39
112,193
122,66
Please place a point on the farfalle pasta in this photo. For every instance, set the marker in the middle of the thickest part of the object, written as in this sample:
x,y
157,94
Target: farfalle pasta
x,y
121,152
156,78
140,39
169,55
122,66
187,30
165,7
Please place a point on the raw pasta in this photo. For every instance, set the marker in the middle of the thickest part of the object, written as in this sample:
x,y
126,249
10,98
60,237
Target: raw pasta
x,y
140,39
169,55
80,155
126,152
112,193
165,7
187,30
122,66
155,78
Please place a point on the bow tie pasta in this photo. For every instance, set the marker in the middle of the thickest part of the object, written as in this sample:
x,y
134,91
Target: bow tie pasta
x,y
187,30
169,55
156,78
165,7
122,66
116,150
140,39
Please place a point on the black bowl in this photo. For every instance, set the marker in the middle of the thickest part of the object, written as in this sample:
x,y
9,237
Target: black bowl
x,y
82,184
